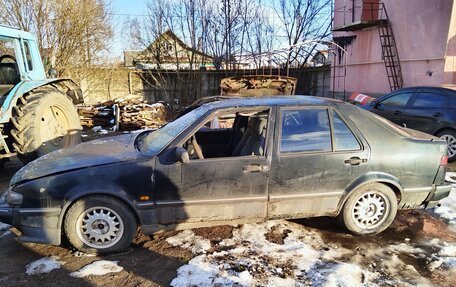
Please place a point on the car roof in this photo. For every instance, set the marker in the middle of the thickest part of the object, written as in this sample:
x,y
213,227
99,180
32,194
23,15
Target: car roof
x,y
297,100
430,88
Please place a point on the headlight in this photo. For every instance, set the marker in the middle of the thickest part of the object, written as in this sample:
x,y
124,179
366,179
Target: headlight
x,y
14,198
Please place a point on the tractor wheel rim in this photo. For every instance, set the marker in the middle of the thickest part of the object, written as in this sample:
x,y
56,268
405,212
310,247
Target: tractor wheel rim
x,y
370,210
55,125
99,227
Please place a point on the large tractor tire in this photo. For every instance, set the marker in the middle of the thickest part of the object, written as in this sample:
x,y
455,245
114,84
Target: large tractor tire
x,y
45,120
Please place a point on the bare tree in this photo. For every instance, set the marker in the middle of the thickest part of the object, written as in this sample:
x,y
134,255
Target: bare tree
x,y
303,20
70,32
260,35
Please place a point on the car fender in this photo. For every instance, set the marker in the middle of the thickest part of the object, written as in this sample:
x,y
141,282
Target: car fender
x,y
72,90
370,177
98,188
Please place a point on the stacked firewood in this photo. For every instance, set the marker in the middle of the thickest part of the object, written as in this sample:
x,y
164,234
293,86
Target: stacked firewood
x,y
129,113
97,115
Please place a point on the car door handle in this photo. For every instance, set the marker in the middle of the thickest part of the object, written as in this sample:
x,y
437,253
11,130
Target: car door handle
x,y
255,168
397,113
355,160
438,114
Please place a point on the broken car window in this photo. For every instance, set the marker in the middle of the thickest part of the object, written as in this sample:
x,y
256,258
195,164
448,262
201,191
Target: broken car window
x,y
235,133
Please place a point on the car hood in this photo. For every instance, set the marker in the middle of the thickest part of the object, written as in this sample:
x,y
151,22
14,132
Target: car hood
x,y
97,152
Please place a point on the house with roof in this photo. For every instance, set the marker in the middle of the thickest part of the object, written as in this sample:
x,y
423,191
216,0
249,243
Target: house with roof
x,y
169,52
321,58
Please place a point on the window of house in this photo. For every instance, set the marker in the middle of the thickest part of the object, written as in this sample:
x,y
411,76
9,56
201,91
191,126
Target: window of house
x,y
305,130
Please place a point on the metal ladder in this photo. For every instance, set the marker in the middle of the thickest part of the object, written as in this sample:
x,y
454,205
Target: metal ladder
x,y
390,55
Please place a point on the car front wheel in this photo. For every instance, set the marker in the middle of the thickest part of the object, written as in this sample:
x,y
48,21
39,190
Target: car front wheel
x,y
100,224
370,209
450,137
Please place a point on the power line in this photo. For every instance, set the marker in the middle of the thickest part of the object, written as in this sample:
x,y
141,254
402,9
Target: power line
x,y
184,17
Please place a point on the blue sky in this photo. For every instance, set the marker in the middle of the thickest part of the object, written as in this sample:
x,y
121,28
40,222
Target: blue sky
x,y
122,10
129,9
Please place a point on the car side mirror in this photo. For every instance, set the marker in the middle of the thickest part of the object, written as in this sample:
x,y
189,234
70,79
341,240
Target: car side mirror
x,y
376,105
181,155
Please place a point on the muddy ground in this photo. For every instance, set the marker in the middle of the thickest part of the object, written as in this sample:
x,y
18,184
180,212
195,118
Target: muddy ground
x,y
151,261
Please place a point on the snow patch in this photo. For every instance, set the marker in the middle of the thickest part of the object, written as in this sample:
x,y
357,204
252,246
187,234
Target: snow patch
x,y
198,272
44,265
188,240
83,254
304,259
447,209
405,248
98,268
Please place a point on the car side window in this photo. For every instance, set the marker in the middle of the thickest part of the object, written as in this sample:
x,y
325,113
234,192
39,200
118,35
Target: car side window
x,y
430,100
232,134
399,100
305,130
343,136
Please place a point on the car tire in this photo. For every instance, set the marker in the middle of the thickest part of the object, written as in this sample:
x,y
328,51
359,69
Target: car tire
x,y
100,224
369,209
450,137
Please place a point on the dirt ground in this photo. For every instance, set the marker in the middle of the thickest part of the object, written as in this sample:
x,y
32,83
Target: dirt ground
x,y
151,261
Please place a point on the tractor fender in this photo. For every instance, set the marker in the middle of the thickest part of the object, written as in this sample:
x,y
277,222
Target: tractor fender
x,y
67,86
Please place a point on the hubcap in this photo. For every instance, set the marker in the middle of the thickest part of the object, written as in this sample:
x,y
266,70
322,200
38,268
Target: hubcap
x,y
451,141
370,210
99,227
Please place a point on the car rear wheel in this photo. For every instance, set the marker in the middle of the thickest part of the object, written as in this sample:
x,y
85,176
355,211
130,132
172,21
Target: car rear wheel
x,y
450,137
100,224
370,209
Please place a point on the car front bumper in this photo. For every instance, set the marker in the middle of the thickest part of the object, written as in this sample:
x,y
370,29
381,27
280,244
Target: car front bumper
x,y
39,225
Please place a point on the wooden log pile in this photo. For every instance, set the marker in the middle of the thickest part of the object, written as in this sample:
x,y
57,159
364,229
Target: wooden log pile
x,y
129,113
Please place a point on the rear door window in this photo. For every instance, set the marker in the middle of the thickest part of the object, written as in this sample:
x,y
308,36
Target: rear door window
x,y
430,100
343,137
305,130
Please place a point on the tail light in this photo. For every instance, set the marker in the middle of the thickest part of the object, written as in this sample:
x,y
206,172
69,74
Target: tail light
x,y
444,160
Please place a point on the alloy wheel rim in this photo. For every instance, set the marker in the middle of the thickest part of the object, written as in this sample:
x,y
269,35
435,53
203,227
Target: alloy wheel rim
x,y
370,210
99,227
451,142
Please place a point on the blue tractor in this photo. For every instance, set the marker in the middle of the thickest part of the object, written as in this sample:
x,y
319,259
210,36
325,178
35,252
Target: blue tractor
x,y
37,114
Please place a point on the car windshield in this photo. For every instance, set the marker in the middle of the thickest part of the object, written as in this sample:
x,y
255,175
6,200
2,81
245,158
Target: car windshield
x,y
154,141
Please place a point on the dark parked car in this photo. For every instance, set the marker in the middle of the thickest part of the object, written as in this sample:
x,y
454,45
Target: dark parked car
x,y
428,109
234,160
